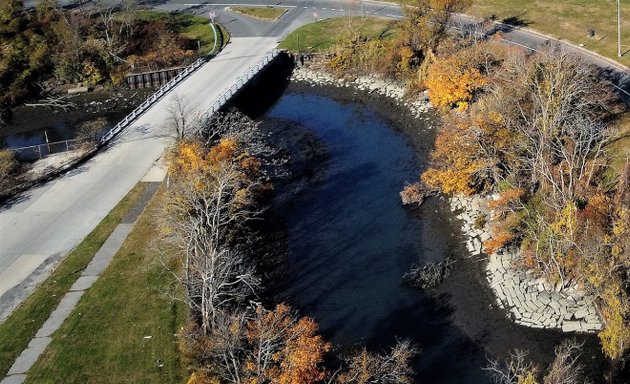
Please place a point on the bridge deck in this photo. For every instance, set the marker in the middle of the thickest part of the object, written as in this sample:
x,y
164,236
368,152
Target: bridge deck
x,y
52,219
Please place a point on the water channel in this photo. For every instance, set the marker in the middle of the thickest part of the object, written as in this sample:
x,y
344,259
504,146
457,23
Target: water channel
x,y
349,241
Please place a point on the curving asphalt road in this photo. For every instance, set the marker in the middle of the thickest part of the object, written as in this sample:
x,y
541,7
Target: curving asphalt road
x,y
49,221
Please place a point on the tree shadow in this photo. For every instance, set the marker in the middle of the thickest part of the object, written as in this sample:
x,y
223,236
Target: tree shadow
x,y
516,21
508,24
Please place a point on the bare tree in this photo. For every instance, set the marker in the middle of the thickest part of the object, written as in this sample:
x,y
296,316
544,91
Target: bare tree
x,y
557,115
117,19
183,117
212,197
229,346
511,371
565,368
202,211
393,367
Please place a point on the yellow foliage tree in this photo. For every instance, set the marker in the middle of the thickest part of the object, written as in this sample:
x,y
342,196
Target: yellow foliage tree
x,y
455,159
452,81
615,337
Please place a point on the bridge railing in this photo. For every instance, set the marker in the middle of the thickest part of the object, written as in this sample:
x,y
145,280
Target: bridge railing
x,y
157,95
239,83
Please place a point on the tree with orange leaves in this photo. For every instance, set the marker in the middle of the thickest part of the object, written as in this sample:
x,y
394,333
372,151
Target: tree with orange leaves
x,y
285,349
456,160
452,80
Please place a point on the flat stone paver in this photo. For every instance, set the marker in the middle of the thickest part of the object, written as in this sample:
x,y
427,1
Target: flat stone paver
x,y
104,255
60,314
15,379
29,356
83,283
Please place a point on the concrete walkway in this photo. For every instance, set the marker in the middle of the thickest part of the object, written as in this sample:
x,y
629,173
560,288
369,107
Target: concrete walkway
x,y
102,258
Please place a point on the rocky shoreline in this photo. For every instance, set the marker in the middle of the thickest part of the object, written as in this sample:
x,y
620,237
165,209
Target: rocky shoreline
x,y
529,301
370,84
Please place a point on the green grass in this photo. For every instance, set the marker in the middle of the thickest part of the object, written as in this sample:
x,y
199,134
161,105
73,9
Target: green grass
x,y
568,20
263,13
102,341
191,27
25,321
321,35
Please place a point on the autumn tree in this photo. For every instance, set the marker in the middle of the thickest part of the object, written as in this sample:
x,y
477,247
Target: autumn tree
x,y
453,80
266,346
213,189
393,367
426,22
285,348
456,159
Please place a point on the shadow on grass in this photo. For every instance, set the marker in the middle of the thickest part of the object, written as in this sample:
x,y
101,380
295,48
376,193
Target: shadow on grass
x,y
516,21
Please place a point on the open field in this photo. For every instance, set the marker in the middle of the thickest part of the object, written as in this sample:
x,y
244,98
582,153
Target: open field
x,y
320,36
123,329
25,321
263,13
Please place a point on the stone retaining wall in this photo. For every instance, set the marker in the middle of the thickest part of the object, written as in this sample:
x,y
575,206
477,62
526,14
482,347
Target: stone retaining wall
x,y
531,301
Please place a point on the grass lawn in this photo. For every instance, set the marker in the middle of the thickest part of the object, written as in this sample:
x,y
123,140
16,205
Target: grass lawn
x,y
103,340
263,13
191,27
25,321
321,35
569,20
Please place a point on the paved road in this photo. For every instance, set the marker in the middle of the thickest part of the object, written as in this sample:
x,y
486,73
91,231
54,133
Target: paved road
x,y
52,219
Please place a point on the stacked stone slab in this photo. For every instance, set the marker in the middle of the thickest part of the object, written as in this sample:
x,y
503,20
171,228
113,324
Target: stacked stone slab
x,y
530,301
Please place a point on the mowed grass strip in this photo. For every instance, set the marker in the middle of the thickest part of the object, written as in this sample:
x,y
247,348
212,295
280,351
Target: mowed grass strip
x,y
262,13
103,340
322,35
18,330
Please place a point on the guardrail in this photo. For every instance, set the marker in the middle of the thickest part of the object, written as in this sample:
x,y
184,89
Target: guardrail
x,y
157,95
239,83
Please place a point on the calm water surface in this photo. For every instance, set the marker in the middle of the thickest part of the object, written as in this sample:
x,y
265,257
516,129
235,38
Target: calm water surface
x,y
350,240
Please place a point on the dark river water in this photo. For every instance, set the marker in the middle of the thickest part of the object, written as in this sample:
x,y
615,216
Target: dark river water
x,y
350,240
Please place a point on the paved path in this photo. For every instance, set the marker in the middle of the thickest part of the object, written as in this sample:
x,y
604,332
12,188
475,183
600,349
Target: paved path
x,y
18,371
47,222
